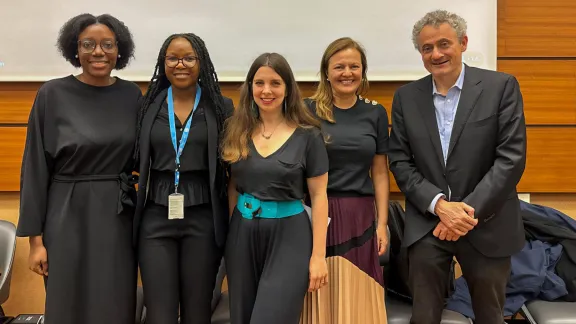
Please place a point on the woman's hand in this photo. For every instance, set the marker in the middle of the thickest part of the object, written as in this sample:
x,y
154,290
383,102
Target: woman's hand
x,y
381,239
318,273
38,258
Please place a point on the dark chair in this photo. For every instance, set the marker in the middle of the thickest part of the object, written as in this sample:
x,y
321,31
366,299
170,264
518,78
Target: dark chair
x,y
399,312
7,249
140,308
221,314
545,312
220,309
220,303
395,263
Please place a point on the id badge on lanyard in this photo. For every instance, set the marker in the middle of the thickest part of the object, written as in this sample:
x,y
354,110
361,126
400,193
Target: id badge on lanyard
x,y
176,199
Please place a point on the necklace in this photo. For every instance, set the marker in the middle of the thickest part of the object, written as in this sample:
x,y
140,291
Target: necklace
x,y
264,129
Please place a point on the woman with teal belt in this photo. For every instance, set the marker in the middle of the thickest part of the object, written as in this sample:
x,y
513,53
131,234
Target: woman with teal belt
x,y
274,254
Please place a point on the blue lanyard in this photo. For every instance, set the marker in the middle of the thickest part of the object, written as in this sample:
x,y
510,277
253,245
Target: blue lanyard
x,y
178,149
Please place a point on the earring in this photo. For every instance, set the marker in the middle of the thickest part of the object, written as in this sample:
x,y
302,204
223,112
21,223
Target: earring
x,y
76,56
119,56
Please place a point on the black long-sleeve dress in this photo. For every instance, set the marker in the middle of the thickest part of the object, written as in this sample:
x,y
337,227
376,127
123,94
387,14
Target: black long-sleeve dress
x,y
75,194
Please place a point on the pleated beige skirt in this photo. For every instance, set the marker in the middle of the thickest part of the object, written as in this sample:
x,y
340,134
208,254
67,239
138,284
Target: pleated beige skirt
x,y
351,297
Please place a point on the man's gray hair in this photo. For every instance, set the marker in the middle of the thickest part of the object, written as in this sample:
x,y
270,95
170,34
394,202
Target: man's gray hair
x,y
436,18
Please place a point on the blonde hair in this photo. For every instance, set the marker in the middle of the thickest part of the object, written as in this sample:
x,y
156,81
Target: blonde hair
x,y
323,96
241,125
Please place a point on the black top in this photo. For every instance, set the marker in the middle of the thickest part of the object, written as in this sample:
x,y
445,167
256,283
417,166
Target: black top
x,y
358,134
282,175
195,154
76,130
194,179
217,183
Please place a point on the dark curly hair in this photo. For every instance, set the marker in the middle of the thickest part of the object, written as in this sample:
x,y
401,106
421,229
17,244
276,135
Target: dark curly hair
x,y
68,37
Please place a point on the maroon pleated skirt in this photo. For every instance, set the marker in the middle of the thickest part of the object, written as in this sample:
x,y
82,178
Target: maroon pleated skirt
x,y
355,290
352,233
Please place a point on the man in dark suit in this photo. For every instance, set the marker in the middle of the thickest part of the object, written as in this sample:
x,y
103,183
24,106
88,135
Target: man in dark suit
x,y
457,152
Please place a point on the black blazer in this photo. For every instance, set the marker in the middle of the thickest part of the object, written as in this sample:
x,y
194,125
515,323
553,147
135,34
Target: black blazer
x,y
218,197
486,158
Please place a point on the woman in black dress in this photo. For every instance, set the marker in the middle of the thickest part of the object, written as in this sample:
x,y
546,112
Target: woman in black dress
x,y
76,193
182,211
273,253
358,184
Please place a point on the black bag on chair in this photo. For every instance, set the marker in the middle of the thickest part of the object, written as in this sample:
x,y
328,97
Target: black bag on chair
x,y
396,271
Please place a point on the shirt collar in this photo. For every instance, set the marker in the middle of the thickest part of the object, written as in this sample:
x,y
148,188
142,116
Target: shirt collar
x,y
459,82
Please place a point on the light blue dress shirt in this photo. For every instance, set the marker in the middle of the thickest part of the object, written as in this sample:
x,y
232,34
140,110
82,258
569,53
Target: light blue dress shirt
x,y
445,108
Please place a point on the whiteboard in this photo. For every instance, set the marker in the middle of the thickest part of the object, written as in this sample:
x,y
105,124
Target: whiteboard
x,y
237,31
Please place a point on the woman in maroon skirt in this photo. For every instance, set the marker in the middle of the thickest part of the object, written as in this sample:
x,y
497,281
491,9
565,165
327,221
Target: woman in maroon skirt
x,y
358,185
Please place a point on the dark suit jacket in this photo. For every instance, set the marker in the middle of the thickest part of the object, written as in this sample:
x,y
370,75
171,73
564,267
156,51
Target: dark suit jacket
x,y
219,200
486,158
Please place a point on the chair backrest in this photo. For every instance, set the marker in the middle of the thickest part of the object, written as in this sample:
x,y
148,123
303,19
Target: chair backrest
x,y
396,271
216,294
7,250
140,308
384,259
396,274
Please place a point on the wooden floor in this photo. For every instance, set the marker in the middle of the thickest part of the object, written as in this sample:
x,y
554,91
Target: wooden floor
x,y
27,289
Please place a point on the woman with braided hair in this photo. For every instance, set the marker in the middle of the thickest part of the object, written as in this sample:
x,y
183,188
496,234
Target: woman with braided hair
x,y
181,216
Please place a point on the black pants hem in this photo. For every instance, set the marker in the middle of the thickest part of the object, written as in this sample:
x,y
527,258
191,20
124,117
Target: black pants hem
x,y
179,261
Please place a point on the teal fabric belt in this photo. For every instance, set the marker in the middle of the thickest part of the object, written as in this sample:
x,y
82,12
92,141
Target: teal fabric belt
x,y
250,207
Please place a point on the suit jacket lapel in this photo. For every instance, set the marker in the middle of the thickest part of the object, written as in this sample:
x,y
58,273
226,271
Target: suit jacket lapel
x,y
211,125
426,103
471,90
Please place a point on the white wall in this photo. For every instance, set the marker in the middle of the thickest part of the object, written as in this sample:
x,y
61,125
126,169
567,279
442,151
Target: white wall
x,y
236,31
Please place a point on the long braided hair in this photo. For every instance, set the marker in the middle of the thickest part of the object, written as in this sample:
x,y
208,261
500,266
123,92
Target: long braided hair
x,y
207,80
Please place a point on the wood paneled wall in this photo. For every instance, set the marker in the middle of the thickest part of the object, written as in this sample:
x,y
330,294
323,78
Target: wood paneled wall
x,y
535,43
549,94
536,28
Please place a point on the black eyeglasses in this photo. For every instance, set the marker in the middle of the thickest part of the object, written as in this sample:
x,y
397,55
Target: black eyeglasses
x,y
88,46
187,61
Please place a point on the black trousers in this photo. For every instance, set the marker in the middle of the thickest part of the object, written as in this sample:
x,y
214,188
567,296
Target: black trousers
x,y
429,261
267,262
179,260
